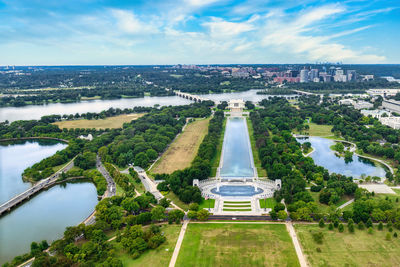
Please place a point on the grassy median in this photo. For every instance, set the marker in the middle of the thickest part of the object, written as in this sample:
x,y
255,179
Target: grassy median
x,y
237,244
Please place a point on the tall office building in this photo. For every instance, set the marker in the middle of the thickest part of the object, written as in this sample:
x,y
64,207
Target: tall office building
x,y
304,76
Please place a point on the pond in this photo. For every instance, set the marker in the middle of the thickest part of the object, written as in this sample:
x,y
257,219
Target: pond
x,y
46,215
324,156
236,157
237,190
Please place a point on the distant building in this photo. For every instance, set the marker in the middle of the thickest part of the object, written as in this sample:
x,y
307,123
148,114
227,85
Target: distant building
x,y
376,113
304,76
383,92
362,105
89,137
392,122
346,102
391,105
236,105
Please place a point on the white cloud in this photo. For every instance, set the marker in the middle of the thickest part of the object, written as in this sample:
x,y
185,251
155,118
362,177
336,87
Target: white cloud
x,y
199,3
221,28
129,23
295,36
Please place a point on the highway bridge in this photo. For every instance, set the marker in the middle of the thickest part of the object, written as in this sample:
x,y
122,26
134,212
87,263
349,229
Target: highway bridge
x,y
43,184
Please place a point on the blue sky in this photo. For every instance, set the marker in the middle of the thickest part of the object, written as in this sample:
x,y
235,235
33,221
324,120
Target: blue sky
x,y
85,32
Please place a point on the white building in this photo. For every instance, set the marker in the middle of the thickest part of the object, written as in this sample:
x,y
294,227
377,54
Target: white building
x,y
236,105
383,92
391,105
346,102
304,76
362,105
393,122
376,113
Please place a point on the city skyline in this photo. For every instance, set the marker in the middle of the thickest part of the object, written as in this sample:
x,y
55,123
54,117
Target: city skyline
x,y
106,32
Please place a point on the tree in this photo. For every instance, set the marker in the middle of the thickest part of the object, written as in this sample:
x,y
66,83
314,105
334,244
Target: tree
x,y
321,223
158,213
192,214
87,160
164,202
282,215
380,226
203,214
194,207
341,228
175,215
130,205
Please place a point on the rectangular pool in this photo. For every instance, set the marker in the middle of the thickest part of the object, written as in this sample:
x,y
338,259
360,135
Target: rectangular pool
x,y
236,158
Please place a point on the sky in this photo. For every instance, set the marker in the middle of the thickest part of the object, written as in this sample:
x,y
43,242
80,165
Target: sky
x,y
149,32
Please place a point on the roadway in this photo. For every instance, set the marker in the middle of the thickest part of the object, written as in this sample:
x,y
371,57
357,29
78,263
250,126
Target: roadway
x,y
43,184
111,188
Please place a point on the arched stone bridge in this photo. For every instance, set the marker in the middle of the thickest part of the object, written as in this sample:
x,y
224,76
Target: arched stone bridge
x,y
195,98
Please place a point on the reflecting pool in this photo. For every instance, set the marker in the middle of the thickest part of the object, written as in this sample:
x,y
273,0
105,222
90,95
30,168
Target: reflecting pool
x,y
324,156
236,158
237,190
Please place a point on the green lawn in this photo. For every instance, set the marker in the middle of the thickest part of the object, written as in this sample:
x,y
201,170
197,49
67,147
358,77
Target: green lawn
x,y
345,249
154,257
257,162
318,130
237,245
237,202
237,206
177,201
205,204
236,209
215,160
325,208
267,203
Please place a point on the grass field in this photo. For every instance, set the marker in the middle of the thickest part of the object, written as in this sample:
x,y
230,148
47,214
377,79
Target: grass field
x,y
237,245
154,257
345,249
267,203
257,162
110,122
325,208
184,149
205,204
318,130
177,201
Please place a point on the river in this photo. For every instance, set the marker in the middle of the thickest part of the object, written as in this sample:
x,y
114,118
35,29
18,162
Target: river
x,y
324,156
46,215
34,112
236,158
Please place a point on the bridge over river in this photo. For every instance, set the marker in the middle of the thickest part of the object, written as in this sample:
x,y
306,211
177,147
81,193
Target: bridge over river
x,y
43,184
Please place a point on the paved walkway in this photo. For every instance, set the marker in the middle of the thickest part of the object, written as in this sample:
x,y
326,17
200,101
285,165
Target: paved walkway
x,y
346,204
178,244
296,243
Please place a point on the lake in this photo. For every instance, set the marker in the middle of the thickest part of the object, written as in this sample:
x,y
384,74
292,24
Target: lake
x,y
46,215
324,156
236,158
